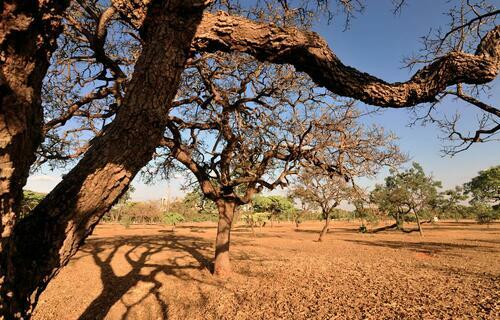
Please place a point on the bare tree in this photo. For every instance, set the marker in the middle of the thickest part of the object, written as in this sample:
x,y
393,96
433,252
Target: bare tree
x,y
323,191
247,127
361,154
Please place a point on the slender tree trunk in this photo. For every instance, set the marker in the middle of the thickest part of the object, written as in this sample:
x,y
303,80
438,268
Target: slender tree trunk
x,y
399,223
252,227
46,240
28,37
325,227
222,263
419,226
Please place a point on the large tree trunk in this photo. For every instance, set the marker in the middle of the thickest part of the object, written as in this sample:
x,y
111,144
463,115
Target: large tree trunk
x,y
325,227
222,264
28,37
46,239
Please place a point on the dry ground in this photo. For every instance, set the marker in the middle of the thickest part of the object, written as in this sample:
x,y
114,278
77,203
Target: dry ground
x,y
149,272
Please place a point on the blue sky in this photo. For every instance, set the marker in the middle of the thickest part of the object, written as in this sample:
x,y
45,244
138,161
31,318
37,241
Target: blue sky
x,y
375,43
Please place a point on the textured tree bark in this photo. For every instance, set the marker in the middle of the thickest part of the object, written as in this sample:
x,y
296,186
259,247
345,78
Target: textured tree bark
x,y
28,37
45,240
324,231
309,53
222,263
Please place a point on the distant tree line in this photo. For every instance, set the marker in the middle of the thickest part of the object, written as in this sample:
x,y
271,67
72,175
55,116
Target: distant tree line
x,y
413,196
408,196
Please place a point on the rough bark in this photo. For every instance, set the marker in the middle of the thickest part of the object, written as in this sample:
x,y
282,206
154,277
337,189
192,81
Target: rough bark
x,y
46,239
222,263
324,231
28,37
309,53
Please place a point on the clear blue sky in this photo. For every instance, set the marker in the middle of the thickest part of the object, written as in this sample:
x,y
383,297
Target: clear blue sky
x,y
376,43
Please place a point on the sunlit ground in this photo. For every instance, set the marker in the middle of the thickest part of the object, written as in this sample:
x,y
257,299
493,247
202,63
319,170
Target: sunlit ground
x,y
150,272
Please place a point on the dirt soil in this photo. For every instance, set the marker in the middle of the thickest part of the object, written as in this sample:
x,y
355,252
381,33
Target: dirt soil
x,y
150,272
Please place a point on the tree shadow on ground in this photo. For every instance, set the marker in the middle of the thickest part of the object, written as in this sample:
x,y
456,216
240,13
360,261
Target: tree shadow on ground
x,y
462,271
332,230
489,241
425,247
262,235
478,228
196,227
137,252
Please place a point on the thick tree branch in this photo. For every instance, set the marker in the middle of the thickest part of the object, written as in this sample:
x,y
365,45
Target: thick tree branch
x,y
309,53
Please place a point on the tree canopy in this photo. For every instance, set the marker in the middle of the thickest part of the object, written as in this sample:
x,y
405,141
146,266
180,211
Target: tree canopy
x,y
408,192
485,187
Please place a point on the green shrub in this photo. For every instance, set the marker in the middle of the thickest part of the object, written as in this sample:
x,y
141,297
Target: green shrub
x,y
171,218
255,218
204,218
363,229
30,200
126,220
486,215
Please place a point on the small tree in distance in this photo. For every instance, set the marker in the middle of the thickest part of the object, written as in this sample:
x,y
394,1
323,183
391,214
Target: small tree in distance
x,y
404,193
449,203
276,207
363,156
484,190
323,191
196,200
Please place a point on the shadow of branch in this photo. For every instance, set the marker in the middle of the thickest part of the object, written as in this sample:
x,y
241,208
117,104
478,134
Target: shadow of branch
x,y
138,252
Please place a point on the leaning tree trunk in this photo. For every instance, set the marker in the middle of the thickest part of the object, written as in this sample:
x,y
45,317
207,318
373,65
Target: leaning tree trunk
x,y
419,225
325,227
388,227
222,263
45,240
28,37
399,222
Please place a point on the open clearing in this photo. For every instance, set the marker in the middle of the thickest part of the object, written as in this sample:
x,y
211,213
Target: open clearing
x,y
149,272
